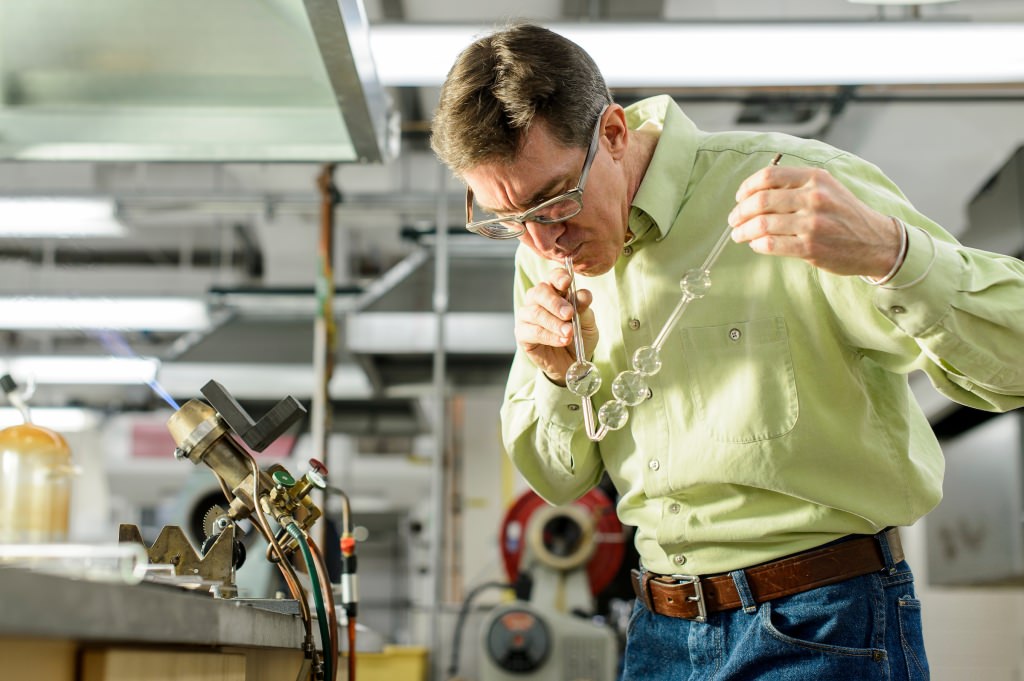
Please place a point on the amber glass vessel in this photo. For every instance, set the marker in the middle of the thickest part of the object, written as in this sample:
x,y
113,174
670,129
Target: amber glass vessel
x,y
35,485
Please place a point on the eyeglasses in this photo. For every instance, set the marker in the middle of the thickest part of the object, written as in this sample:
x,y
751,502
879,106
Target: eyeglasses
x,y
556,209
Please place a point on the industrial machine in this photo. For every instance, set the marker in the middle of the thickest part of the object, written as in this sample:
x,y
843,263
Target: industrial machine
x,y
567,554
279,506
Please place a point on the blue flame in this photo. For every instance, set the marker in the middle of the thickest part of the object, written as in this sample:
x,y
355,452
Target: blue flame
x,y
163,394
117,346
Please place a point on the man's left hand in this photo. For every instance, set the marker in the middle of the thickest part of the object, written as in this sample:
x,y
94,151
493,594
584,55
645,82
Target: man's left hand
x,y
806,213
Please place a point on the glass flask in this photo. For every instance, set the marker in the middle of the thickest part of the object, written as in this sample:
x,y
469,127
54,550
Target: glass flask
x,y
35,485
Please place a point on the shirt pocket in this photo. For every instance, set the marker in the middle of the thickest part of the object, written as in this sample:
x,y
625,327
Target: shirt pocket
x,y
742,379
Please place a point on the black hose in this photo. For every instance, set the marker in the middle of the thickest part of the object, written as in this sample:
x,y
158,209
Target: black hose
x,y
453,666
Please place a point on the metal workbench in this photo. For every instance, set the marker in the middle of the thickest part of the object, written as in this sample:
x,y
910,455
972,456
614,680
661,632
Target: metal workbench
x,y
59,628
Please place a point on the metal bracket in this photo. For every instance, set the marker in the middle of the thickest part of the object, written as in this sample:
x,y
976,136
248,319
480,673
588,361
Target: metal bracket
x,y
172,547
257,434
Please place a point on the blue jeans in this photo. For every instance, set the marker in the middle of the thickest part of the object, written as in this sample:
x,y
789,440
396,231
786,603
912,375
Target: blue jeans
x,y
861,629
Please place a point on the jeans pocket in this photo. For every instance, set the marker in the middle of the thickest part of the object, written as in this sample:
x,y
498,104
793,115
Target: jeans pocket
x,y
833,620
912,638
638,610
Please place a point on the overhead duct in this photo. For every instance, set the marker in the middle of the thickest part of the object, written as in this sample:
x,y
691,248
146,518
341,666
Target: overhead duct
x,y
192,80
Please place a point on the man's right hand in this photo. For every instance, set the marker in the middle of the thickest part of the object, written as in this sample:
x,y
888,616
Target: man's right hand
x,y
544,325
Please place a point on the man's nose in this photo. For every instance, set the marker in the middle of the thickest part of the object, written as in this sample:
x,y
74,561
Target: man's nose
x,y
545,236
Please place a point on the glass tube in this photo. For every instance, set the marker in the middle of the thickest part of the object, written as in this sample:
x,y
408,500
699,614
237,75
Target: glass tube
x,y
125,562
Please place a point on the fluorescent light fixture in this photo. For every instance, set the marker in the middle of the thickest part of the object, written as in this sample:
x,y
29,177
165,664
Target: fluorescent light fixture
x,y
80,370
125,314
43,217
671,54
60,419
263,380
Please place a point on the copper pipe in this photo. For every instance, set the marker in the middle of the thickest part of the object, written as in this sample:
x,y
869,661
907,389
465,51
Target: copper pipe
x,y
332,614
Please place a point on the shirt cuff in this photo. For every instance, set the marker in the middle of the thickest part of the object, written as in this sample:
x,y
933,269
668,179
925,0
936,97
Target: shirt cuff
x,y
921,293
558,402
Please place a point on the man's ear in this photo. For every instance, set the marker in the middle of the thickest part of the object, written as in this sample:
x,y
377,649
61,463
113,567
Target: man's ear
x,y
615,131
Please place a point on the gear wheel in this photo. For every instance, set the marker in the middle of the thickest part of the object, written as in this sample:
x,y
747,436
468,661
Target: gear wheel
x,y
210,518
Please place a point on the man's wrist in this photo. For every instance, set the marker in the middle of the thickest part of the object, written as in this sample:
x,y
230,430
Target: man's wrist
x,y
901,255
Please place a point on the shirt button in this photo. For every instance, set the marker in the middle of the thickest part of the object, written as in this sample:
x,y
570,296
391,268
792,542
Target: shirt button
x,y
634,324
628,250
674,508
734,334
650,393
897,309
679,559
654,465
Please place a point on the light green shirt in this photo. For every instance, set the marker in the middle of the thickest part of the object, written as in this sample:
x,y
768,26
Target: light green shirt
x,y
782,417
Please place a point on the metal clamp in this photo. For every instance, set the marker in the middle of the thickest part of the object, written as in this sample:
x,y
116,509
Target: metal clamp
x,y
697,597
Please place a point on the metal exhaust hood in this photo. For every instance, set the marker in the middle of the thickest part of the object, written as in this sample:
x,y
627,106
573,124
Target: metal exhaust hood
x,y
191,80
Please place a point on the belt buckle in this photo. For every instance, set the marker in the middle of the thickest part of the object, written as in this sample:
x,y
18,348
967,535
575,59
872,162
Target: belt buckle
x,y
697,597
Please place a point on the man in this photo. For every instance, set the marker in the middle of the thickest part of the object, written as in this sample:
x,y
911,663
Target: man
x,y
779,443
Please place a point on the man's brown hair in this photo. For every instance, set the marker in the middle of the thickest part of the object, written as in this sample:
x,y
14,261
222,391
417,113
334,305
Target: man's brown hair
x,y
505,82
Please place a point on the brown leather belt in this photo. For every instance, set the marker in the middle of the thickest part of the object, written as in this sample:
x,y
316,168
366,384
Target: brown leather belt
x,y
693,598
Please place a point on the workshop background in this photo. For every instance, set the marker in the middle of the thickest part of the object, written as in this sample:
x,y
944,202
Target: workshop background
x,y
205,139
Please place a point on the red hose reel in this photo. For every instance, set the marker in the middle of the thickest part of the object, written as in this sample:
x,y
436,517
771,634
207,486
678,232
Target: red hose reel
x,y
586,531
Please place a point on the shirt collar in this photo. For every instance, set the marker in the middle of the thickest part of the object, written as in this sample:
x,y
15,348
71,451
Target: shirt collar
x,y
663,188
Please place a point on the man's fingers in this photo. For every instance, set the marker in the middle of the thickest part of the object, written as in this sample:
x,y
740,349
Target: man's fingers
x,y
780,245
559,279
545,318
767,202
806,213
585,298
767,225
778,177
547,297
774,177
535,324
785,191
